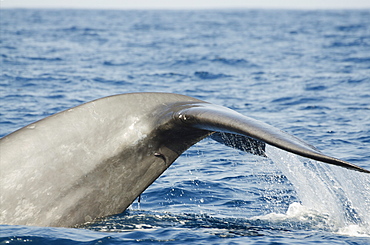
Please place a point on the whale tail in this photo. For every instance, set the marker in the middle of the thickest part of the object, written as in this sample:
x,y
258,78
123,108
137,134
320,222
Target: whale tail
x,y
95,159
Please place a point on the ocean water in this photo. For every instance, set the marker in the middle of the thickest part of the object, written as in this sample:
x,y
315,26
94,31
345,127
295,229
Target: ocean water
x,y
306,72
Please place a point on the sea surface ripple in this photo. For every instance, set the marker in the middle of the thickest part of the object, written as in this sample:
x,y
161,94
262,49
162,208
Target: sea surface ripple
x,y
306,72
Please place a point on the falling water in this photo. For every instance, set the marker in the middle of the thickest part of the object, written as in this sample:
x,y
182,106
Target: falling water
x,y
339,195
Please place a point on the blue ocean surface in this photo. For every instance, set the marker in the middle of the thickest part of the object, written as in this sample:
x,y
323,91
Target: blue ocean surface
x,y
305,72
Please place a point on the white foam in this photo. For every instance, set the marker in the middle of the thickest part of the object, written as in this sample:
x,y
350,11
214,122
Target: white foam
x,y
301,216
295,211
353,230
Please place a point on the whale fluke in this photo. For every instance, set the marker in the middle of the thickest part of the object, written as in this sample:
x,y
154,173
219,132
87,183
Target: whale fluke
x,y
93,160
220,119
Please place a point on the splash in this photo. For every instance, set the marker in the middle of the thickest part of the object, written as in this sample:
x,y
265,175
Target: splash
x,y
297,216
340,195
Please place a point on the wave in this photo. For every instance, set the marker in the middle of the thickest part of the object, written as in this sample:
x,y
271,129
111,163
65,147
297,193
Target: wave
x,y
297,217
209,76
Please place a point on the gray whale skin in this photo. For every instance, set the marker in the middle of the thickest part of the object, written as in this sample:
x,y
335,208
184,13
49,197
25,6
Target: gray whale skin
x,y
95,159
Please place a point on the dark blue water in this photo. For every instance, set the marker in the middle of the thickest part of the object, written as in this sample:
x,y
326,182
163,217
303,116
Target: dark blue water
x,y
306,72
